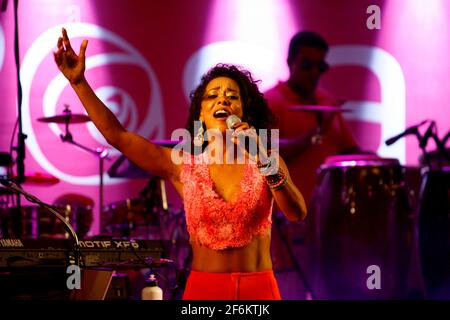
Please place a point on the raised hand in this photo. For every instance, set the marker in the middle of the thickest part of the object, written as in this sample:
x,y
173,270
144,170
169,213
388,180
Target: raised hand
x,y
69,63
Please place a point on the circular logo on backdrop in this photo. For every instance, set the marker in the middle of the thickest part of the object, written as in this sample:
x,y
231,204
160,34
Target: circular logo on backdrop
x,y
120,76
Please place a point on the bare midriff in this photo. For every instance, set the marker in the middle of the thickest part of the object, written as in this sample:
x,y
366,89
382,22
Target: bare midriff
x,y
253,257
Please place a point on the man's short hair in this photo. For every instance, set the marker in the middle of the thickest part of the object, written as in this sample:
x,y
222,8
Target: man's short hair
x,y
305,39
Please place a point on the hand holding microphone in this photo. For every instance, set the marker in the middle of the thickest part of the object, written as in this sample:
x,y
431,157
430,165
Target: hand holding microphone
x,y
235,123
244,130
255,149
268,165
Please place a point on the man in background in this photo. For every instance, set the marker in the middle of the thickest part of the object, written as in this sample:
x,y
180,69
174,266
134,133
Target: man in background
x,y
308,137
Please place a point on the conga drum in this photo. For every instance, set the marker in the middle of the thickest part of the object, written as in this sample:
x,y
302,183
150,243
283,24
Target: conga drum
x,y
434,233
363,227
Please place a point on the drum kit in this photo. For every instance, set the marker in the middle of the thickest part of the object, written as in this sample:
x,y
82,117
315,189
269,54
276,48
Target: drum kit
x,y
145,217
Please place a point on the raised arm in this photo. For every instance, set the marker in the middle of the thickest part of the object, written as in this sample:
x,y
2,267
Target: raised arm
x,y
149,156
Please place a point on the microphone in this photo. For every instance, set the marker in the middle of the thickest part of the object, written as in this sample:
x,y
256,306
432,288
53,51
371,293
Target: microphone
x,y
14,187
428,134
232,120
260,150
410,130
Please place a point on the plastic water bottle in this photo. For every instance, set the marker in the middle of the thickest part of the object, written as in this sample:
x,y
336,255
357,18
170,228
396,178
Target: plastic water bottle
x,y
151,291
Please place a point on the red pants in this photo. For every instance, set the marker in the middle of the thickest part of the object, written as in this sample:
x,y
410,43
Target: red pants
x,y
231,286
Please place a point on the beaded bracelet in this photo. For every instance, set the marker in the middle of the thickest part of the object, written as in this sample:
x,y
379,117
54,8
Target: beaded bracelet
x,y
277,181
268,168
280,185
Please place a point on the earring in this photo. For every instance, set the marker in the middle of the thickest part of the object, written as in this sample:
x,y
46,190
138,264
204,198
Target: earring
x,y
199,139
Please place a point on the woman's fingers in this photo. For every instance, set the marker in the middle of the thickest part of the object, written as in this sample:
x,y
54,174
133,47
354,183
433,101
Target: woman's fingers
x,y
66,40
243,131
83,47
59,45
58,58
241,126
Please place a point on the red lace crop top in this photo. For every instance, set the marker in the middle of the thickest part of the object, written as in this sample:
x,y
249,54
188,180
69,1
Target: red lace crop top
x,y
216,223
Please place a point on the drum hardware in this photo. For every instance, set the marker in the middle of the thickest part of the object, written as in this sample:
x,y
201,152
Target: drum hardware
x,y
150,216
138,217
319,111
436,159
5,170
278,221
6,196
431,133
318,108
67,118
77,210
124,168
432,223
433,233
128,216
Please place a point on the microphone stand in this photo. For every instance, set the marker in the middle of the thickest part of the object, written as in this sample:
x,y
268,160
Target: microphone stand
x,y
15,188
445,139
441,145
422,146
20,148
443,155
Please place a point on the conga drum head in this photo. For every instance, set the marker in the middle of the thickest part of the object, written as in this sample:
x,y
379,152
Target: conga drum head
x,y
357,160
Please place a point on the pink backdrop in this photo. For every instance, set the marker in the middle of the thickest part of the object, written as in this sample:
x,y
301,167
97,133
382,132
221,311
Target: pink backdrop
x,y
145,56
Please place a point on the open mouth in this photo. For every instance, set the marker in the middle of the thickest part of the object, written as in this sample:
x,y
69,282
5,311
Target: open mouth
x,y
219,114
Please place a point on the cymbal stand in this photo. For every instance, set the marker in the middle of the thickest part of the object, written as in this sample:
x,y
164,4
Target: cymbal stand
x,y
278,221
317,137
155,199
151,188
100,153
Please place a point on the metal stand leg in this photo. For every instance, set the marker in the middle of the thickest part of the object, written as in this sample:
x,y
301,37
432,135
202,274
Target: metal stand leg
x,y
297,266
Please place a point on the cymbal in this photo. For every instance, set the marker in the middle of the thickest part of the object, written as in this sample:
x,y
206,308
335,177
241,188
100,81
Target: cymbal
x,y
319,108
40,179
66,118
124,168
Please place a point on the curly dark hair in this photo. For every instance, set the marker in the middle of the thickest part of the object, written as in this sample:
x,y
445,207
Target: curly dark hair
x,y
256,111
